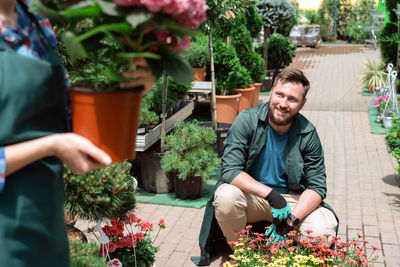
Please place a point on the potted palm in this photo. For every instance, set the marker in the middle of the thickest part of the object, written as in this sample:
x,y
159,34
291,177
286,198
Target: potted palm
x,y
374,75
190,158
121,30
198,56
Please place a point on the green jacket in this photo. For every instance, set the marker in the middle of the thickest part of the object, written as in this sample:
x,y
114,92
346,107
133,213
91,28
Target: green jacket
x,y
305,166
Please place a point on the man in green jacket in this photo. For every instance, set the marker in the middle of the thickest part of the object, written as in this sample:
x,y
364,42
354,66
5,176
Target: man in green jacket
x,y
272,170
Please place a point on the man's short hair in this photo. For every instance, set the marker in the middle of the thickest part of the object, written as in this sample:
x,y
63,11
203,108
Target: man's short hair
x,y
293,76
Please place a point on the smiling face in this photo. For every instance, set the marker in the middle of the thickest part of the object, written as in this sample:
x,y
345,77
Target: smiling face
x,y
285,102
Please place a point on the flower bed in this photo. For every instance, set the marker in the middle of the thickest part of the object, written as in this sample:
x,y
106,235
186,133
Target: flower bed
x,y
253,249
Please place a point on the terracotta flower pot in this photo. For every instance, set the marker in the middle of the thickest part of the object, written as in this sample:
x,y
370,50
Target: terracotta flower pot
x,y
256,93
246,100
199,74
108,119
227,107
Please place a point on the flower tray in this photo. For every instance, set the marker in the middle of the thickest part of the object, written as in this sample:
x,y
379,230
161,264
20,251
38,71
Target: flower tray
x,y
143,142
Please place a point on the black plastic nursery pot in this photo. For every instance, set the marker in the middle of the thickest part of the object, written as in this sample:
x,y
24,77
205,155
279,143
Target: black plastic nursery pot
x,y
191,188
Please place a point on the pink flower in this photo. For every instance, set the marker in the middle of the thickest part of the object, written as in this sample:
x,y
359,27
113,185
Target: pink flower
x,y
146,225
184,44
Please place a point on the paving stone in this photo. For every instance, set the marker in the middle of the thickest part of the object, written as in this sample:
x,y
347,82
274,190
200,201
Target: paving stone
x,y
177,259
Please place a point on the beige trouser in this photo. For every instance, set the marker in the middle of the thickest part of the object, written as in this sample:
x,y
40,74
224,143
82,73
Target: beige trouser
x,y
235,208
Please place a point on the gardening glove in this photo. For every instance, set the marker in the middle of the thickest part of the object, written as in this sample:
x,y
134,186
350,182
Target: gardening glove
x,y
279,206
273,235
278,231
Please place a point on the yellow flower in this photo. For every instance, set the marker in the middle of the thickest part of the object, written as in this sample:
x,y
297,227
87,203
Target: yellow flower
x,y
227,264
271,265
298,258
279,262
295,265
256,256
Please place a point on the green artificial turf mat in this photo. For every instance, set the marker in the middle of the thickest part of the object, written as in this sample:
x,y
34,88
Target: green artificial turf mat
x,y
365,92
375,127
170,199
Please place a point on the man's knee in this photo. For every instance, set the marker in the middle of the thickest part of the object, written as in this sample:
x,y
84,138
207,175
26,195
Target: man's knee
x,y
321,222
229,202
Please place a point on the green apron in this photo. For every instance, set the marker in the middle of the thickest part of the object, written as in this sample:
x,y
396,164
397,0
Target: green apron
x,y
32,105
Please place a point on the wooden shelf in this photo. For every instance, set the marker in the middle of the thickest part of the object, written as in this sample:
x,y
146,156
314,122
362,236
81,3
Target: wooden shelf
x,y
143,142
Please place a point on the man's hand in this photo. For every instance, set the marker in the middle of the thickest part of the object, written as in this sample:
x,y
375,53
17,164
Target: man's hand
x,y
141,76
277,232
279,206
273,235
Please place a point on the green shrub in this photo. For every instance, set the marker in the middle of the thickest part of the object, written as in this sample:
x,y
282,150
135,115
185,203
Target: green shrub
x,y
254,22
393,140
281,51
104,193
388,43
175,92
147,117
229,74
249,59
198,55
85,254
190,152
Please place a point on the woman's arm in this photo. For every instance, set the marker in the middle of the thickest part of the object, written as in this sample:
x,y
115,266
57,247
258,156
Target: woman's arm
x,y
76,151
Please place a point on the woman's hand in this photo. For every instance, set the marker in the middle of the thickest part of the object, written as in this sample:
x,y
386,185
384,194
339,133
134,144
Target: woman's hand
x,y
77,152
80,154
142,76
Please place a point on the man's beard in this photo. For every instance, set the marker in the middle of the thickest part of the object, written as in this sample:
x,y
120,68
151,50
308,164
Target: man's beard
x,y
283,122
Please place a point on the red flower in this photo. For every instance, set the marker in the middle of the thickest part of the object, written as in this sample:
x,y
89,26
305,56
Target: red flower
x,y
351,261
363,260
146,225
161,224
374,248
309,231
140,236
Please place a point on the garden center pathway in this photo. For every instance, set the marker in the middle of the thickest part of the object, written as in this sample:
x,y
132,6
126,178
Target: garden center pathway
x,y
363,187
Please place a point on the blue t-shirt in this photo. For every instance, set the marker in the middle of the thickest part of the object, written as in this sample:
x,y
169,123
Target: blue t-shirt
x,y
269,167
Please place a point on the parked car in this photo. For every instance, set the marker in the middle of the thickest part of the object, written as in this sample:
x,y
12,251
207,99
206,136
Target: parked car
x,y
308,35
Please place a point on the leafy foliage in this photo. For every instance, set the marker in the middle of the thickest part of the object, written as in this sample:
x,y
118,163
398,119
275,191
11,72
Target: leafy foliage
x,y
275,12
249,59
190,151
393,140
229,74
374,75
107,192
85,254
198,55
176,91
389,42
254,21
127,26
281,51
147,117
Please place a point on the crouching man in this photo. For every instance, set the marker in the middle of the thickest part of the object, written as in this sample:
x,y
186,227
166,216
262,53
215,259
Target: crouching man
x,y
272,170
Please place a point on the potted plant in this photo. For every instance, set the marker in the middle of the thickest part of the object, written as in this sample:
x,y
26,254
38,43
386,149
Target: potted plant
x,y
374,76
108,192
229,75
190,157
147,120
281,51
392,139
130,242
198,56
120,31
253,62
